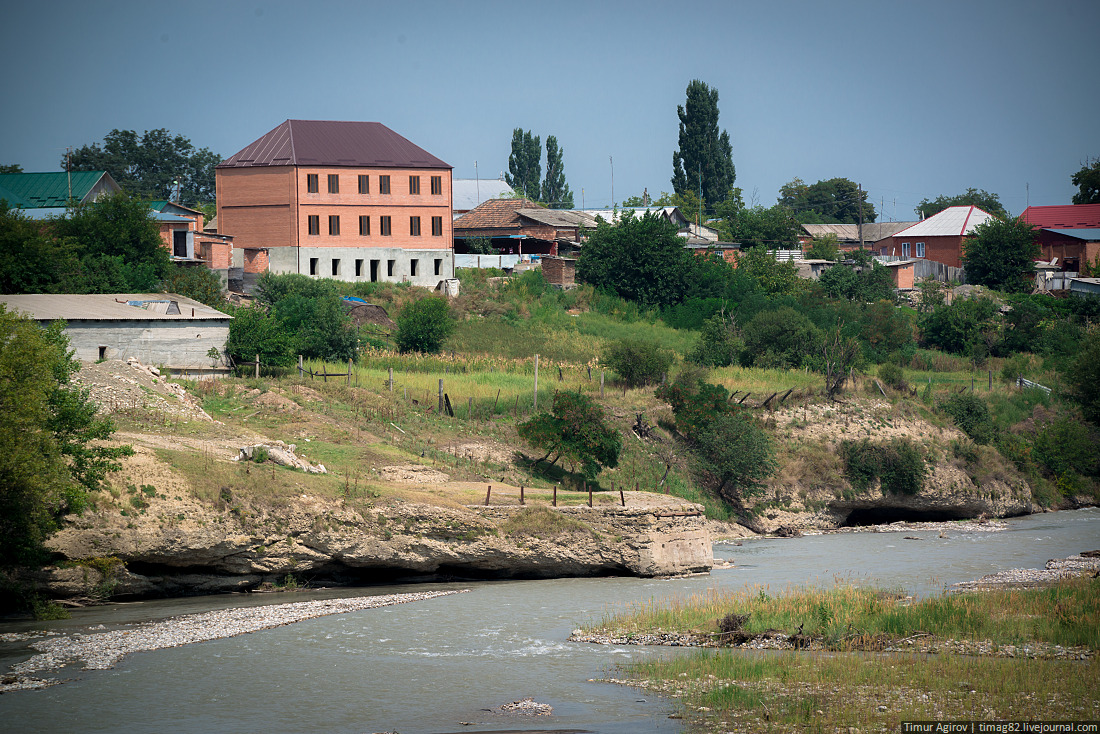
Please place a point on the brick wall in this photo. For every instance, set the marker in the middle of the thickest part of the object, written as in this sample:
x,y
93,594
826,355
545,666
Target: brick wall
x,y
255,261
559,271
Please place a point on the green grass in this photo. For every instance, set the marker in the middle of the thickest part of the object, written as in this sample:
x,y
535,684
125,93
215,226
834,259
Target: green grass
x,y
1064,614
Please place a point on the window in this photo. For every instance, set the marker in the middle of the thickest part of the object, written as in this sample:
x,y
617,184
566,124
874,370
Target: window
x,y
389,267
920,249
358,268
314,224
414,226
311,183
364,184
438,265
437,185
412,266
179,243
313,266
364,225
437,226
334,224
335,266
384,223
334,183
905,249
414,184
384,184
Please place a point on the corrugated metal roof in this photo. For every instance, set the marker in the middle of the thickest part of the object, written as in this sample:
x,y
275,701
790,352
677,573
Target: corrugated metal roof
x,y
872,231
1090,235
36,190
952,221
333,143
1064,216
558,217
109,307
467,193
60,211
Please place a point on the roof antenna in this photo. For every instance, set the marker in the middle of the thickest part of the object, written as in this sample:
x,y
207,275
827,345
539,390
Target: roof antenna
x,y
478,184
69,170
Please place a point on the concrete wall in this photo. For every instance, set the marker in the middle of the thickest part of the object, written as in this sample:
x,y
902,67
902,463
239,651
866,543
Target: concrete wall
x,y
345,259
177,345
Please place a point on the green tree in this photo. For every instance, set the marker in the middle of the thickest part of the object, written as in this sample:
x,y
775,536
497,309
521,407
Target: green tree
x,y
254,331
720,343
738,454
776,277
703,150
1083,377
980,198
31,261
524,164
198,283
11,168
638,361
150,165
480,246
311,313
965,327
120,247
1001,254
555,191
1087,180
783,338
774,228
823,248
575,430
51,451
832,201
872,283
641,259
424,325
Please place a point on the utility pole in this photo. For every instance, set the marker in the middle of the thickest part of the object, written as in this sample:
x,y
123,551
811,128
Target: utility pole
x,y
859,202
69,171
477,184
612,160
699,217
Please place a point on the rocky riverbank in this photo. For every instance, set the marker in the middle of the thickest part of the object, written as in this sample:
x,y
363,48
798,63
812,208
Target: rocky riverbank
x,y
102,650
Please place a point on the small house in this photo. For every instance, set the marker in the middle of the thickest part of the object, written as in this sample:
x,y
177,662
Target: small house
x,y
162,329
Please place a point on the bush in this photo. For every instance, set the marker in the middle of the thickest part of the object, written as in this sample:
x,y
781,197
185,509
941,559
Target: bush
x,y
424,325
963,327
971,414
575,430
893,376
695,403
200,284
720,343
637,361
737,453
898,465
1084,378
252,332
783,338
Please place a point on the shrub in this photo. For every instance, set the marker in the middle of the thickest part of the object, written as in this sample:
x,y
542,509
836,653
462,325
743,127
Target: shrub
x,y
961,328
893,376
695,403
720,343
424,325
575,430
899,465
253,332
638,361
737,453
1084,378
781,338
971,414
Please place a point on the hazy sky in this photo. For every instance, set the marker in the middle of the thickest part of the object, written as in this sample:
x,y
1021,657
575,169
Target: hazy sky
x,y
912,99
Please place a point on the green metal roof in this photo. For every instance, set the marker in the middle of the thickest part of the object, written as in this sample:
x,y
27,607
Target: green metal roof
x,y
36,190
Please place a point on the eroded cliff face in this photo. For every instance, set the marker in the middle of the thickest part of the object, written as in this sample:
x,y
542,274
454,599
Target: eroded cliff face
x,y
203,550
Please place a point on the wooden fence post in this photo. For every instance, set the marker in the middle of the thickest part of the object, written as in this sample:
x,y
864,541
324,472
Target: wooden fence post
x,y
555,495
349,372
589,494
536,382
257,366
488,492
300,370
601,384
521,495
391,379
441,396
991,380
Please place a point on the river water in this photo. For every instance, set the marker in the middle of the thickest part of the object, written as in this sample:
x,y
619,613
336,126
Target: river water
x,y
436,666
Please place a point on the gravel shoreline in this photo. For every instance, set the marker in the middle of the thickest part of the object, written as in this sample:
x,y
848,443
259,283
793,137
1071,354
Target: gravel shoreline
x,y
102,650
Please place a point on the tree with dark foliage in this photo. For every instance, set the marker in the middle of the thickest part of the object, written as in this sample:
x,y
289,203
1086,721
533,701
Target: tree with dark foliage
x,y
703,150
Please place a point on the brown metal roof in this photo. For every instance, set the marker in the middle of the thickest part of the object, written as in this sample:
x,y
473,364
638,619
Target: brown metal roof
x,y
872,231
494,214
329,143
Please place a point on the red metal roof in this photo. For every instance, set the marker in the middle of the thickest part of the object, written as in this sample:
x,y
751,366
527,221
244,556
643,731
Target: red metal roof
x,y
1065,216
329,143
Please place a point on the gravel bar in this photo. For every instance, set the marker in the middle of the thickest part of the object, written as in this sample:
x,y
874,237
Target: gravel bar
x,y
103,650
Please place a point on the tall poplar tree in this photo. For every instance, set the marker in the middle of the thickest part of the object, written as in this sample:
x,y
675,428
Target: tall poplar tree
x,y
524,164
702,148
555,191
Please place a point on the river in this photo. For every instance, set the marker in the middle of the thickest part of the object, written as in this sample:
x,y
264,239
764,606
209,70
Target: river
x,y
435,666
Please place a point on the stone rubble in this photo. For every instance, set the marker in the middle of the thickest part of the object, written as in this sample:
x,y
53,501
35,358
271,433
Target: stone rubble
x,y
103,650
282,454
525,707
1055,569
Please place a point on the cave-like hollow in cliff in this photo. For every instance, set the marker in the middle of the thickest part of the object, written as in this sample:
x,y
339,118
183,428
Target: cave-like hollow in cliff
x,y
887,515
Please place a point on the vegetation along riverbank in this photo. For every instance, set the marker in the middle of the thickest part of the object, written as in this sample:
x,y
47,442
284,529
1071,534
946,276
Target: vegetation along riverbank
x,y
827,660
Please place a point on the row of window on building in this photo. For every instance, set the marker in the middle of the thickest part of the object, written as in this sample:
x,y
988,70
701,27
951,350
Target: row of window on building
x,y
362,269
385,225
905,250
313,183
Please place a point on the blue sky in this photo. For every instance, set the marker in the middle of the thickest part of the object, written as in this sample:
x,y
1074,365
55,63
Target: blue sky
x,y
912,100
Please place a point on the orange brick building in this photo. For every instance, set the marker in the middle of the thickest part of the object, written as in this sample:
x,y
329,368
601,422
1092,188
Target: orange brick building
x,y
181,229
939,238
353,201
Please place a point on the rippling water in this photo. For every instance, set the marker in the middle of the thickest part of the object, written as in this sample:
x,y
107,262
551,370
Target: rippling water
x,y
429,666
